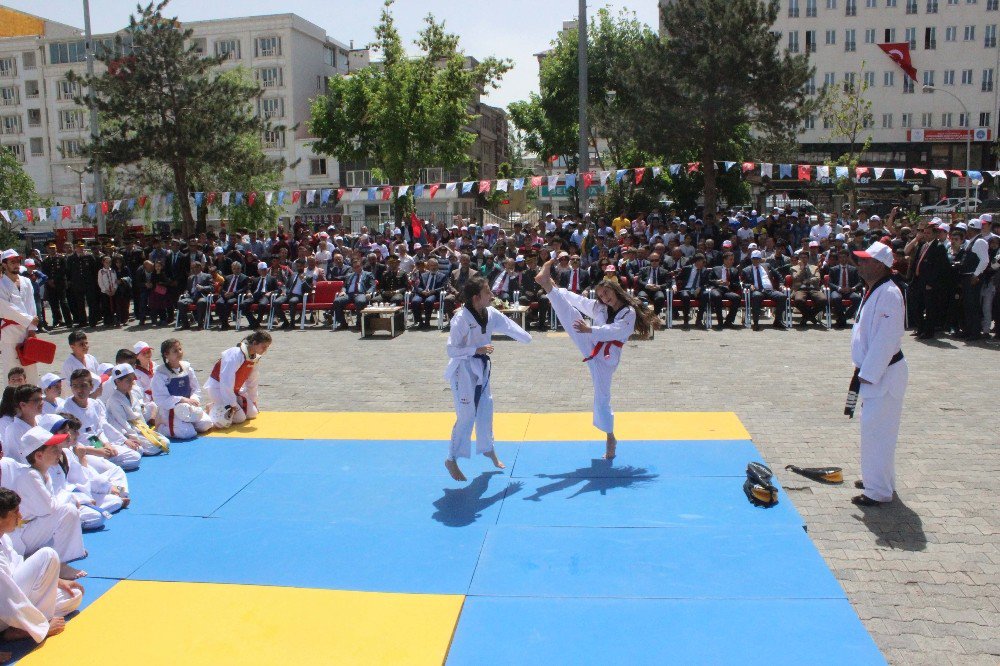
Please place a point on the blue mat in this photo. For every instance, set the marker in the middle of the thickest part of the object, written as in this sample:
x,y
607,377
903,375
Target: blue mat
x,y
340,498
130,539
668,458
272,551
693,562
639,498
660,631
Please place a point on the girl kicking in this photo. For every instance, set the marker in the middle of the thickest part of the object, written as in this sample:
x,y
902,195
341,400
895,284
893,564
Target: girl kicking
x,y
468,372
616,315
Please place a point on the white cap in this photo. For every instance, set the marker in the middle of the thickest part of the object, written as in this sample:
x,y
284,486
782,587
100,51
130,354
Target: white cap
x,y
417,246
140,347
519,258
105,368
975,223
935,221
813,243
752,246
563,254
987,218
795,214
874,218
944,227
48,379
753,212
9,254
756,254
878,252
962,226
38,437
217,250
122,370
841,237
262,265
50,422
29,263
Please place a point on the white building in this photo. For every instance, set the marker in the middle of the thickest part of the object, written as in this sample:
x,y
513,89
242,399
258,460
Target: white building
x,y
291,58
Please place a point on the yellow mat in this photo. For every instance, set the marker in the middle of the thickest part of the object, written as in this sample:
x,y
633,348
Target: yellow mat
x,y
197,623
508,427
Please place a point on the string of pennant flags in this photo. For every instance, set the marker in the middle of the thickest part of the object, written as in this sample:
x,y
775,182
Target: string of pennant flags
x,y
322,196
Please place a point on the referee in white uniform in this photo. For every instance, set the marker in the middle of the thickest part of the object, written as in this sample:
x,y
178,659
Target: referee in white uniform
x,y
880,376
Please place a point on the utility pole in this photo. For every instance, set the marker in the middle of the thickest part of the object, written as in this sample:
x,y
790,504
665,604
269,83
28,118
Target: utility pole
x,y
94,129
584,148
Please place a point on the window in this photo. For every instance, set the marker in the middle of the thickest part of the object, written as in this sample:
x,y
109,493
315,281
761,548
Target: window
x,y
829,79
62,53
71,148
70,120
31,89
987,80
793,41
950,33
849,43
868,121
966,77
273,139
911,37
952,2
200,45
990,40
269,77
793,8
932,6
869,79
810,41
831,4
928,77
906,120
272,107
228,49
870,36
66,90
34,117
991,5
890,34
984,119
9,96
963,120
889,79
11,124
945,120
37,147
926,120
907,84
317,167
850,78
268,47
851,7
970,33
810,7
810,87
8,68
831,36
17,150
330,56
930,37
949,77
911,6
810,122
871,4
28,60
890,3
826,123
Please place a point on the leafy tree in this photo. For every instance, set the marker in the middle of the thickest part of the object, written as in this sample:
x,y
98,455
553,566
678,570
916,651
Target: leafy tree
x,y
720,71
406,112
162,101
17,190
848,112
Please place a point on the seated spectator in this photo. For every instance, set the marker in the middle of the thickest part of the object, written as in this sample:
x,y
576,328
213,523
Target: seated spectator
x,y
764,284
427,293
846,287
199,291
653,282
725,281
692,285
359,286
808,296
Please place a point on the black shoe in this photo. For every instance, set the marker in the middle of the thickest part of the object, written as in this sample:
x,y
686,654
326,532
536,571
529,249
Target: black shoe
x,y
756,326
864,500
859,484
781,326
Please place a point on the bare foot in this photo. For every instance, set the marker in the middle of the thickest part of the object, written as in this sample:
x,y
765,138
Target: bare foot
x,y
492,455
452,467
544,277
14,634
68,572
612,444
56,626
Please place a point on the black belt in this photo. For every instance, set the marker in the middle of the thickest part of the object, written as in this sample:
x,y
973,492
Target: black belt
x,y
855,386
897,357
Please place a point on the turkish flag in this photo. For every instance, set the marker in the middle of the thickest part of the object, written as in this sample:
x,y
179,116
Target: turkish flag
x,y
295,196
693,166
251,198
639,173
900,54
142,201
340,193
104,207
748,167
536,181
588,178
416,226
66,213
484,186
860,171
386,192
29,214
434,189
211,198
805,172
920,172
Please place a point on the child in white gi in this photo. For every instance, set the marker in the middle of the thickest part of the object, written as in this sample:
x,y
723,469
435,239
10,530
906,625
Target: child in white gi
x,y
27,405
103,481
232,384
93,416
33,598
179,414
124,403
468,372
51,385
48,519
79,357
144,369
615,316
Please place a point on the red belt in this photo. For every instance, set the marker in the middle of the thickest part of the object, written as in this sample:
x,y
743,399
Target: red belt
x,y
607,349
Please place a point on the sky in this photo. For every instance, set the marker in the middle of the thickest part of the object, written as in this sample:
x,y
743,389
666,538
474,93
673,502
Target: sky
x,y
515,29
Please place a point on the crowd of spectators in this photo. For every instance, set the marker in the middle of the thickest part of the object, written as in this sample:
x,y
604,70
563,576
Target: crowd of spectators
x,y
712,266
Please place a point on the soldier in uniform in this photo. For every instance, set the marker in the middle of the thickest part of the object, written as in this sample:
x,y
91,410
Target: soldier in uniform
x,y
81,276
54,266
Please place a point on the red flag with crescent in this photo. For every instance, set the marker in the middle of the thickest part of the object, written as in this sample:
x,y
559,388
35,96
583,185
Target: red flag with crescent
x,y
536,181
66,213
434,189
900,54
296,195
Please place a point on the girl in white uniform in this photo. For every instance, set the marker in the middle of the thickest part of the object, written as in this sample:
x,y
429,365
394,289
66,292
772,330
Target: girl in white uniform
x,y
232,384
615,316
51,386
49,520
93,416
468,372
33,597
179,414
144,370
124,403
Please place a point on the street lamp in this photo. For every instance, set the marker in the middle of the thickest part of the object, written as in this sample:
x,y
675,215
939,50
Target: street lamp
x,y
968,138
94,127
584,143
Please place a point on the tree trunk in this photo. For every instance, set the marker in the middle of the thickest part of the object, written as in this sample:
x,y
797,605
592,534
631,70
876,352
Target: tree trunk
x,y
708,169
181,187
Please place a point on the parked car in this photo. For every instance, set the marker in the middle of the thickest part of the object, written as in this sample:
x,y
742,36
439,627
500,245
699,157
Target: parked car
x,y
989,206
951,205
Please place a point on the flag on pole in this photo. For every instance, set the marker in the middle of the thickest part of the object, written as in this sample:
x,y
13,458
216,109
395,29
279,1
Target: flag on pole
x,y
900,54
416,226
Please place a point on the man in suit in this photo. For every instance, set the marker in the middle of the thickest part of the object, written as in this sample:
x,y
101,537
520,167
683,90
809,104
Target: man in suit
x,y
234,286
505,281
692,285
264,287
845,285
653,281
574,278
198,291
532,295
298,286
764,284
359,286
178,267
456,285
725,281
807,285
427,293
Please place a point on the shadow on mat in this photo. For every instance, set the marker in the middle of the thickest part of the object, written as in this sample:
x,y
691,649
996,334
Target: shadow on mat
x,y
459,507
609,477
895,525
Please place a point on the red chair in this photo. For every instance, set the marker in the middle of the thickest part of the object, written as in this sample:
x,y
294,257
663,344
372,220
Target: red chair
x,y
321,298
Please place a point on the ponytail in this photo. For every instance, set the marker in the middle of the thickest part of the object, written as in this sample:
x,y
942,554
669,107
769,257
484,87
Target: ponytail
x,y
645,319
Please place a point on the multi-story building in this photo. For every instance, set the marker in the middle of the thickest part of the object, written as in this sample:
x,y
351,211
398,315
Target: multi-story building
x,y
291,58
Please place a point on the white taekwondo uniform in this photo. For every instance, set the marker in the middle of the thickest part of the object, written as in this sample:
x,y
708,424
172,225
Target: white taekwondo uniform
x,y
17,309
29,590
